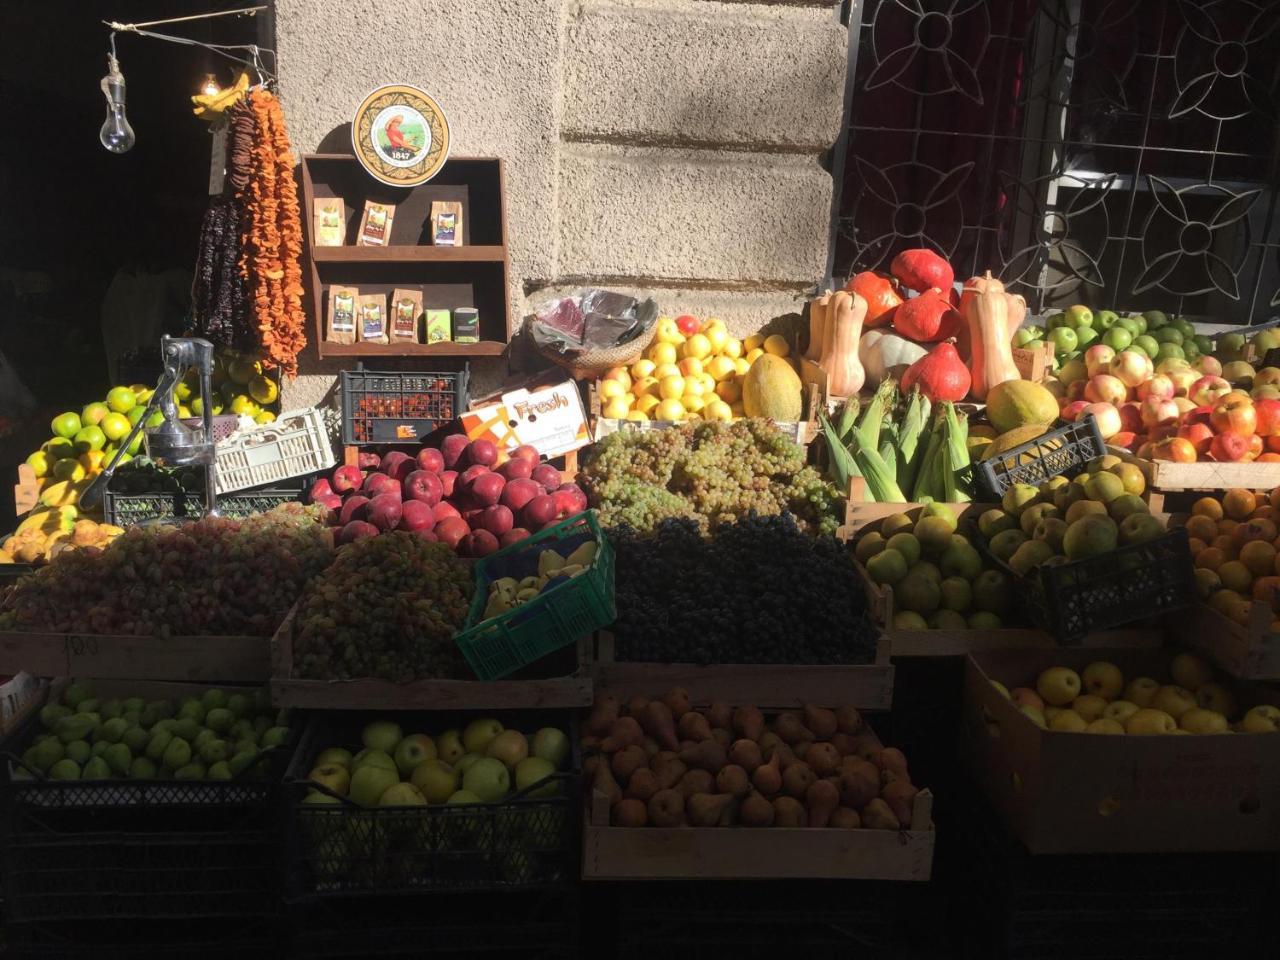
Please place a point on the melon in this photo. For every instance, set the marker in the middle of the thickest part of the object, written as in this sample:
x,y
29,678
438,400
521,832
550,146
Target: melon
x,y
772,389
1020,403
1016,438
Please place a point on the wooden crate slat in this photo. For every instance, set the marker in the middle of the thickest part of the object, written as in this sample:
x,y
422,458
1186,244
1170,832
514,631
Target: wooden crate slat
x,y
136,658
26,492
1203,475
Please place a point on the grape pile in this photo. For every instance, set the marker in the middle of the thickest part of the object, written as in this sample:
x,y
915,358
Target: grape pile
x,y
758,590
215,577
709,472
388,608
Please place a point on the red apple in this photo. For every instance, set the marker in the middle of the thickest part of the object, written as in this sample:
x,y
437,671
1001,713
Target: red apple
x,y
355,507
391,463
1072,410
1182,381
527,452
517,468
1228,447
1131,416
376,484
1255,447
1199,434
1175,449
1131,367
1106,416
451,448
1184,405
547,475
430,459
1207,390
448,478
1234,415
486,489
1105,388
1125,438
688,324
368,460
565,501
1268,412
451,530
1159,386
1097,359
1208,365
423,486
497,519
346,479
416,515
1199,414
332,503
319,488
514,535
478,543
426,533
579,498
518,493
385,511
468,476
538,512
1159,410
356,530
1075,390
482,452
443,510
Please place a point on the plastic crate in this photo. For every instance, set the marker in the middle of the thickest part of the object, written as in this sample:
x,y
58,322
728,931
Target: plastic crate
x,y
128,509
73,850
1064,449
399,407
126,939
555,618
341,849
293,445
1130,583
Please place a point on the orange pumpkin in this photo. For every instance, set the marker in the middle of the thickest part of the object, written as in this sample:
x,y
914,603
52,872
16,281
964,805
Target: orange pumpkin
x,y
881,296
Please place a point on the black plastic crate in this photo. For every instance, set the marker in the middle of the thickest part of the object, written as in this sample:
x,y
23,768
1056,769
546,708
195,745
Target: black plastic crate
x,y
128,509
337,850
1062,450
73,850
247,939
400,407
1128,584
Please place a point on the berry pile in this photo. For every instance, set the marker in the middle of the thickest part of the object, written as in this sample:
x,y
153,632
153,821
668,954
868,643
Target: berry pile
x,y
215,577
388,607
709,472
683,598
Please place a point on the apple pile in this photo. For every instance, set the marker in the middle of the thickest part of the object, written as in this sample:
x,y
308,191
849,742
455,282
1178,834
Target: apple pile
x,y
483,763
1098,700
459,494
1236,551
662,763
1177,410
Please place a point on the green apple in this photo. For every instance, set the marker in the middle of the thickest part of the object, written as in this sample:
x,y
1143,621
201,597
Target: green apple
x,y
1131,324
1168,335
1055,321
530,771
402,795
219,719
1117,338
1147,344
275,737
435,779
466,761
1064,340
1104,320
463,797
382,735
551,744
510,746
1170,350
413,750
478,733
1155,319
370,782
334,756
1023,336
1086,336
1203,343
488,779
449,746
239,705
1079,316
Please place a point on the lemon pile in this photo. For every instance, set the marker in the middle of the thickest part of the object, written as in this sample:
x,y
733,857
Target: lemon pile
x,y
686,376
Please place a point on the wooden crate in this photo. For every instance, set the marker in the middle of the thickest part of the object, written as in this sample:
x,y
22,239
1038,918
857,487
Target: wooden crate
x,y
1034,363
1250,651
193,659
1202,475
26,492
287,690
865,686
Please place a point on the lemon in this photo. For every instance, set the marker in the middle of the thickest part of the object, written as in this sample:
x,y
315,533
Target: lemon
x,y
616,409
642,368
721,368
662,352
611,389
68,469
729,390
753,355
732,348
718,336
664,370
777,344
690,366
39,463
693,404
646,403
263,389
266,416
671,388
697,346
637,416
184,412
717,410
669,410
243,405
91,461
241,371
752,342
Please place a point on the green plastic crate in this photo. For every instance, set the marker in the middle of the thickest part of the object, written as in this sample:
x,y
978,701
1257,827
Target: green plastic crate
x,y
556,618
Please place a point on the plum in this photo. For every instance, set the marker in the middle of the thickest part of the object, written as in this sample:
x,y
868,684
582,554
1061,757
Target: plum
x,y
416,515
356,530
528,453
538,512
331,502
497,519
385,511
482,452
355,507
514,535
451,448
547,475
368,460
391,462
478,543
448,479
443,510
517,493
430,459
423,487
319,488
346,478
487,488
579,498
376,484
517,468
451,530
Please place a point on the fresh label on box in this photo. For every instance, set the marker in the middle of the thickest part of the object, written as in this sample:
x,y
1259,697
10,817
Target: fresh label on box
x,y
551,420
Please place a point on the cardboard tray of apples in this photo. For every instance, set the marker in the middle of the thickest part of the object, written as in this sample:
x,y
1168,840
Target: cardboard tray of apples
x,y
1065,787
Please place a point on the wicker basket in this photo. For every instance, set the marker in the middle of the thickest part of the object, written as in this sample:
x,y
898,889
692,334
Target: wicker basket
x,y
593,362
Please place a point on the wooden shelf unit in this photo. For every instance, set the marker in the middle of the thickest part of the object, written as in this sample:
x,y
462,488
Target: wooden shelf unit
x,y
472,275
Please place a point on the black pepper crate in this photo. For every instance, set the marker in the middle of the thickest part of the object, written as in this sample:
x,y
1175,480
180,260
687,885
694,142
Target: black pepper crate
x,y
106,850
399,407
343,849
1065,449
130,509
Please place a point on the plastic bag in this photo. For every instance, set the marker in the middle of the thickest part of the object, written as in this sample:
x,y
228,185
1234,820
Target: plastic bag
x,y
591,319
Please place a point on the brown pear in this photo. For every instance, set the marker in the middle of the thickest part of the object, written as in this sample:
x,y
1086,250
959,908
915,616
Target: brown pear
x,y
859,785
877,815
603,782
668,768
694,726
748,722
756,811
696,781
625,732
797,779
627,761
642,785
707,809
820,720
629,813
767,778
891,758
788,812
845,818
659,724
821,800
746,754
666,808
823,758
900,795
677,701
707,755
722,737
636,706
720,715
848,720
790,729
732,779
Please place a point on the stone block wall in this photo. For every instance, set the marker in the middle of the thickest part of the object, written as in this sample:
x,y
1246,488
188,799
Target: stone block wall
x,y
672,147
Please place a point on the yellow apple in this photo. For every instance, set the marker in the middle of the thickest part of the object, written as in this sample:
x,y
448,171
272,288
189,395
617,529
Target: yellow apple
x,y
1216,697
661,353
1199,720
1104,725
666,331
1140,690
1024,697
1067,721
642,368
1173,700
332,775
664,370
620,375
1190,671
690,366
1264,718
671,388
1147,721
1058,685
1050,713
1120,710
1103,679
1089,706
611,389
1035,716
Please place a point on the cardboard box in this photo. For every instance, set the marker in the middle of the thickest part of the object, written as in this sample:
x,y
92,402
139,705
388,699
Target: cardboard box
x,y
552,419
1082,793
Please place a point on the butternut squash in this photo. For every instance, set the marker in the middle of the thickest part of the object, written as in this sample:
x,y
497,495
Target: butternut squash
x,y
845,375
986,309
819,310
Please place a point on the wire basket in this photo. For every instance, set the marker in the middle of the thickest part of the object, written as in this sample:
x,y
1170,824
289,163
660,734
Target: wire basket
x,y
341,848
554,619
293,445
1064,449
129,509
399,407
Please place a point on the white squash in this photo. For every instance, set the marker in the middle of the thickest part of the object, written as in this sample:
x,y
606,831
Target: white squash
x,y
883,353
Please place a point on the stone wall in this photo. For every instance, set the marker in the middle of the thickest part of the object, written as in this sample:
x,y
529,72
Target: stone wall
x,y
676,147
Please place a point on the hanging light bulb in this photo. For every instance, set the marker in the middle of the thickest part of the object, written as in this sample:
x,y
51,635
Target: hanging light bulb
x,y
210,86
116,134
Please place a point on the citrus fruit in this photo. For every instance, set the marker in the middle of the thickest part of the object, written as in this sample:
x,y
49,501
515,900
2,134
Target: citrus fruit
x,y
92,460
243,405
264,389
40,462
115,425
182,391
264,416
59,448
68,469
66,425
90,438
92,414
777,345
241,371
121,399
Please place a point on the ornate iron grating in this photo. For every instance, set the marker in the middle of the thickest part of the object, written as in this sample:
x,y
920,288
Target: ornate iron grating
x,y
1120,153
